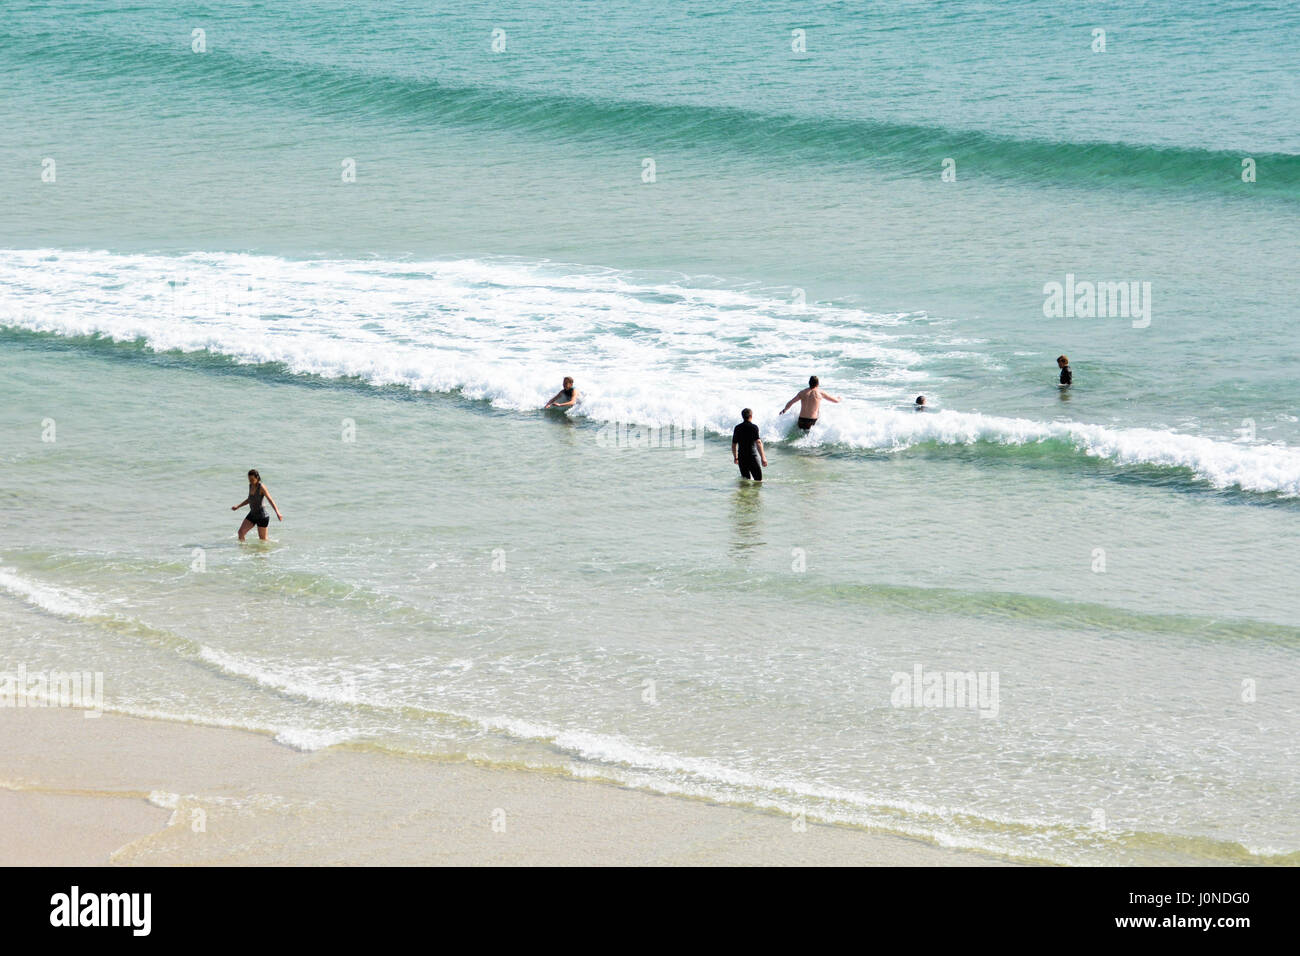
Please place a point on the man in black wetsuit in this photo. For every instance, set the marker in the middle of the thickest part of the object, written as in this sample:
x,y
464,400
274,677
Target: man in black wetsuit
x,y
747,447
1067,377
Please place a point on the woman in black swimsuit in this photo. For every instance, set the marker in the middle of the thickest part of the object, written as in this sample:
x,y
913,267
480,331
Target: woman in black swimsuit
x,y
568,393
256,513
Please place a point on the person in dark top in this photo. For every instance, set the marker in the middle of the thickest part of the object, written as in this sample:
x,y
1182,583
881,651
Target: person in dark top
x,y
257,516
747,447
1067,377
568,393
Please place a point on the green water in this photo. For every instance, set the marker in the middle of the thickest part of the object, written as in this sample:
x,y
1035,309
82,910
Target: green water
x,y
456,580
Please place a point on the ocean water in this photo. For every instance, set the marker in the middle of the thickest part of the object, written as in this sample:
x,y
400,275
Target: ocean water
x,y
193,284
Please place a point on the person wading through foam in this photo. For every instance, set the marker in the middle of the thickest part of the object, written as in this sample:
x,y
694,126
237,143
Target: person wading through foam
x,y
810,403
568,393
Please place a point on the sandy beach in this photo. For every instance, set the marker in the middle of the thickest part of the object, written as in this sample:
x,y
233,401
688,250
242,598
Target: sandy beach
x,y
124,791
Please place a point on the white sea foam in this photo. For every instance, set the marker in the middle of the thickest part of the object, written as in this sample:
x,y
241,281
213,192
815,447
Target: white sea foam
x,y
651,352
64,602
323,683
308,739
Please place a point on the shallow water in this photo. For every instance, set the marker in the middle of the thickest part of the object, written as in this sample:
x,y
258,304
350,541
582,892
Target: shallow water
x,y
460,574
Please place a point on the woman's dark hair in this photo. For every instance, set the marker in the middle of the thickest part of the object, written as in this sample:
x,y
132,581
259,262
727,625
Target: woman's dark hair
x,y
568,381
252,473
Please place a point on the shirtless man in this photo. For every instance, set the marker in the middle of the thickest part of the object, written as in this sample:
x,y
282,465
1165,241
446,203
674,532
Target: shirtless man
x,y
810,403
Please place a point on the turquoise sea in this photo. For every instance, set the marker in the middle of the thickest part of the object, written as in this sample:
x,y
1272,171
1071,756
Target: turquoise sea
x,y
356,245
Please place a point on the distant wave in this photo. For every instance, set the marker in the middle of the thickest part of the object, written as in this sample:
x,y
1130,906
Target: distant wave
x,y
411,99
654,353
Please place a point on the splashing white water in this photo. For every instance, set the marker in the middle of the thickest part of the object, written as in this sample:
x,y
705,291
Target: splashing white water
x,y
653,353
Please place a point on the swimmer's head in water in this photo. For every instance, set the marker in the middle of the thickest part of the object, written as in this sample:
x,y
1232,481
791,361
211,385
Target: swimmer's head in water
x,y
813,381
1062,361
746,413
568,381
920,399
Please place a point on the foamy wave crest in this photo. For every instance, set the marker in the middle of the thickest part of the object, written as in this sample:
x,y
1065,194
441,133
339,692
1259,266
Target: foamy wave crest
x,y
1258,468
647,351
63,602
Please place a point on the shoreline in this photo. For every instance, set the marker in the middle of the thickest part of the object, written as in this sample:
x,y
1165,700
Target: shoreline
x,y
124,790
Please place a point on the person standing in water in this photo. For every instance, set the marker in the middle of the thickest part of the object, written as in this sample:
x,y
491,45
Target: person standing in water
x,y
256,513
568,393
747,447
1067,376
810,403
